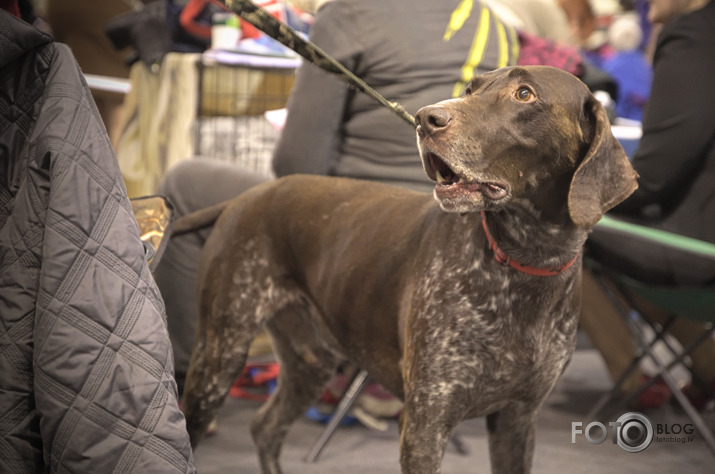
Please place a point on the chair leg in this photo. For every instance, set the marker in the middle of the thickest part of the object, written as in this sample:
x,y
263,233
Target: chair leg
x,y
355,386
357,383
659,335
677,393
677,360
677,354
664,369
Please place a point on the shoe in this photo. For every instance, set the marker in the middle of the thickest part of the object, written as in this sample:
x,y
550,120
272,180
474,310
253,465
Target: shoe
x,y
262,376
653,397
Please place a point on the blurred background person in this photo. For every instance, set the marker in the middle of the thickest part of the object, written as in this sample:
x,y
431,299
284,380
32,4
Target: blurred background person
x,y
561,21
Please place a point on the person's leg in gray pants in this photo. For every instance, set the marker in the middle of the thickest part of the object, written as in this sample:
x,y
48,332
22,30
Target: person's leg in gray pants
x,y
192,185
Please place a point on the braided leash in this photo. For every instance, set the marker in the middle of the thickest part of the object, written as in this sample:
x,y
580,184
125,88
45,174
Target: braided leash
x,y
288,37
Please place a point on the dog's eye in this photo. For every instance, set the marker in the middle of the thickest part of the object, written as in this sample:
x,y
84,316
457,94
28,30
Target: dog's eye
x,y
468,90
524,94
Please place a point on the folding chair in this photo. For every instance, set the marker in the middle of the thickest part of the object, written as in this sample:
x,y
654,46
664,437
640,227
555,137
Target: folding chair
x,y
681,301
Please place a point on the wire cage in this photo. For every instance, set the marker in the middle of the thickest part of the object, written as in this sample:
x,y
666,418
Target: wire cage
x,y
231,120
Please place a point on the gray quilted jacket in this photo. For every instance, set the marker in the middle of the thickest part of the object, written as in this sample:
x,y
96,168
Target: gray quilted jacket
x,y
86,382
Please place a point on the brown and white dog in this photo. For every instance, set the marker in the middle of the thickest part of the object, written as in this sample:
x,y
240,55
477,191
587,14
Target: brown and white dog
x,y
463,304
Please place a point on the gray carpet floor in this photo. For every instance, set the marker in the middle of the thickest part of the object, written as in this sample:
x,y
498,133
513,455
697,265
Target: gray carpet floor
x,y
356,449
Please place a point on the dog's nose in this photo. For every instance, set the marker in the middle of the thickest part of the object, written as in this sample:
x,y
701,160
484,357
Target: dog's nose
x,y
431,118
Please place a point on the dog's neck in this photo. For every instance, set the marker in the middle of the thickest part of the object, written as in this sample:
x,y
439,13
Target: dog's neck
x,y
530,240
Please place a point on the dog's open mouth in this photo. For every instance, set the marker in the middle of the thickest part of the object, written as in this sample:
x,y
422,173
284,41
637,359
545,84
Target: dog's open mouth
x,y
448,180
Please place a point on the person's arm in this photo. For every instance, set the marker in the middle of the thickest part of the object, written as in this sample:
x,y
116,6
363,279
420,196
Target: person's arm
x,y
316,108
677,125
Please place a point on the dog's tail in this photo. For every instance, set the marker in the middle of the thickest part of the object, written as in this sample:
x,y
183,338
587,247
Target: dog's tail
x,y
198,220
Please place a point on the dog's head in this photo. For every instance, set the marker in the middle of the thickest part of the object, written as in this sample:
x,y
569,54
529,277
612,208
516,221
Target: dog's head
x,y
525,136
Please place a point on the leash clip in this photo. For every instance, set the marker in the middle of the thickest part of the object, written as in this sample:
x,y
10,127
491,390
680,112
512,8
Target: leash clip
x,y
500,257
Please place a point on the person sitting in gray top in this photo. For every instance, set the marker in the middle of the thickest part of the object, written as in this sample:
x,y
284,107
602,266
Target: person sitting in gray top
x,y
414,53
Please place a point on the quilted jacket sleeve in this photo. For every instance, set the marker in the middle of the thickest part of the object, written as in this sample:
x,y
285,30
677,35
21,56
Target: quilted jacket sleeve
x,y
78,298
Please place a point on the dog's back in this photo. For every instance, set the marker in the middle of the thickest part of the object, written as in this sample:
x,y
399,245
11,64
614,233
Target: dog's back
x,y
349,246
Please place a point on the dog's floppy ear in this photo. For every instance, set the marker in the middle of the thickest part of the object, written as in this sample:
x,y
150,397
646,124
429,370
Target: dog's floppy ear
x,y
605,176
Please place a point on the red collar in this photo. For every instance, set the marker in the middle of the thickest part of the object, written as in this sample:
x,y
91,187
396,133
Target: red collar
x,y
501,257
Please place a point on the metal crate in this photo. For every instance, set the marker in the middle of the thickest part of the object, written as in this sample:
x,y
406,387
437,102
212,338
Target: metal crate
x,y
231,123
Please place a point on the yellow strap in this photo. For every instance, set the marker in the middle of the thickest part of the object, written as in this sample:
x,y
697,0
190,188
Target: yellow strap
x,y
459,16
514,45
476,52
503,44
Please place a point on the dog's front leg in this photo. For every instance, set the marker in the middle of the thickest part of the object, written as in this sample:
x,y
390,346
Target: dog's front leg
x,y
511,439
427,423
